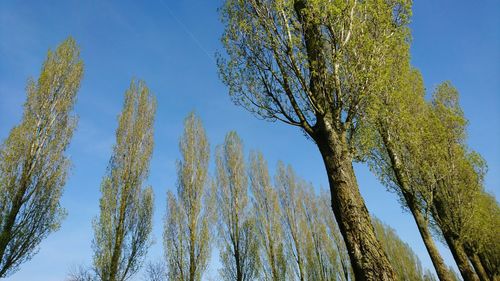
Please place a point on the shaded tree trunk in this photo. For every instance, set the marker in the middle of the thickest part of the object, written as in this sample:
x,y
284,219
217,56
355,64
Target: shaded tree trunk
x,y
411,203
368,259
460,257
476,263
437,260
488,267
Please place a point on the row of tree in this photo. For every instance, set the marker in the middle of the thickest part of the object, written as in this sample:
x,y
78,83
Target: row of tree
x,y
338,70
264,229
341,72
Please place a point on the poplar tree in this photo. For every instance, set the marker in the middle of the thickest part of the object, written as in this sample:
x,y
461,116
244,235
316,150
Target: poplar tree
x,y
122,229
290,192
405,262
459,173
312,64
267,210
33,166
341,264
322,251
393,140
239,251
186,235
481,244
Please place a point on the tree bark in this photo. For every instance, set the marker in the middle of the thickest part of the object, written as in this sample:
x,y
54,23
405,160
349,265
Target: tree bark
x,y
368,259
460,257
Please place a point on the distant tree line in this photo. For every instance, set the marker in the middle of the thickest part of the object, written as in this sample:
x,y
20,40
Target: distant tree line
x,y
338,70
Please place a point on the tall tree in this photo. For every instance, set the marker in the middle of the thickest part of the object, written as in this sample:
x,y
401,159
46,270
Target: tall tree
x,y
392,141
324,253
290,191
186,233
343,269
481,240
122,230
458,173
268,220
239,251
312,64
33,167
405,262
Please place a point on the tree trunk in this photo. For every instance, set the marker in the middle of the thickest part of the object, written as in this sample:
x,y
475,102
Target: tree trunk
x,y
437,260
460,257
490,270
368,259
476,263
411,203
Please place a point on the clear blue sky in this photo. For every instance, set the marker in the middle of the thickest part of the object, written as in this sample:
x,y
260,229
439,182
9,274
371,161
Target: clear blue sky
x,y
170,44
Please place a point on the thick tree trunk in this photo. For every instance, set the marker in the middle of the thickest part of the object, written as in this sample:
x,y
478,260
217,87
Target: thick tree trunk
x,y
368,259
460,257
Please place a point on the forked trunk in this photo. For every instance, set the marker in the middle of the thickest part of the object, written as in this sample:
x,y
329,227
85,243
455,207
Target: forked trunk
x,y
476,263
458,252
481,272
368,259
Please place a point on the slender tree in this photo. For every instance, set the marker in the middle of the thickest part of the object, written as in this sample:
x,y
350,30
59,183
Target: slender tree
x,y
343,269
312,64
33,167
483,248
392,141
268,221
458,172
186,233
322,251
290,191
122,230
239,251
155,271
405,262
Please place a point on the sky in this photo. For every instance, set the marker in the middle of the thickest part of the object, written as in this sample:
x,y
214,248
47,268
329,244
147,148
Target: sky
x,y
171,45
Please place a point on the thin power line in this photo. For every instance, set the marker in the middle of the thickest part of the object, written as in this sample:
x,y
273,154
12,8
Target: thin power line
x,y
186,29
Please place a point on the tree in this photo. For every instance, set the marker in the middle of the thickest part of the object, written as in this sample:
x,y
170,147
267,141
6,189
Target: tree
x,y
80,273
481,245
312,64
122,230
326,256
344,269
186,235
290,191
459,173
393,139
239,253
405,262
33,167
155,271
268,220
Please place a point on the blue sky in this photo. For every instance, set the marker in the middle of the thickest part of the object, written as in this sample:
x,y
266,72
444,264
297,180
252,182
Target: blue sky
x,y
171,45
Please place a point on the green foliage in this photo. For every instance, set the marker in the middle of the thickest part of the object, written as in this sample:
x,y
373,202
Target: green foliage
x,y
404,261
239,244
186,235
33,167
301,61
122,230
268,221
